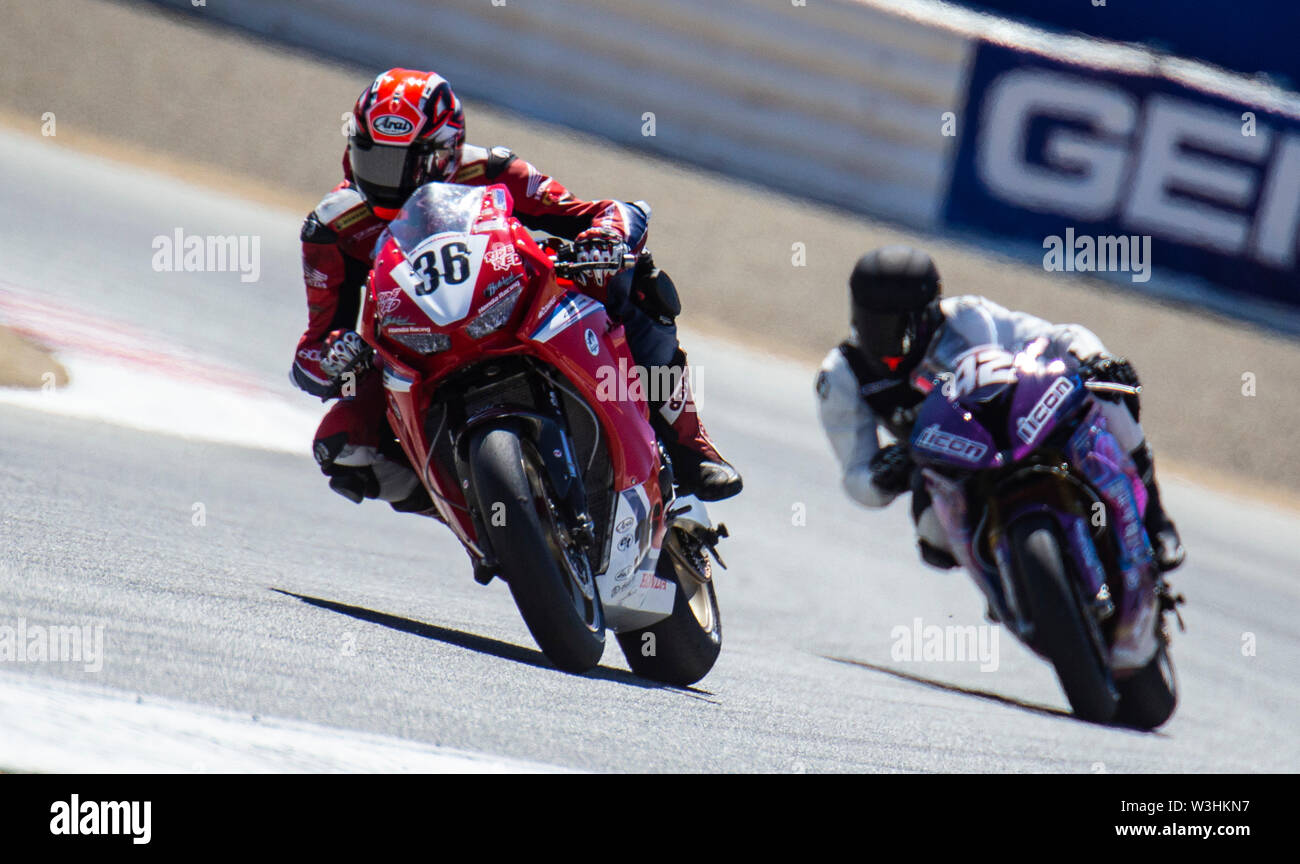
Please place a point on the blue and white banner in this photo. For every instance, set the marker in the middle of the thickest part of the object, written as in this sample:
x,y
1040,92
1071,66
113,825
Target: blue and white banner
x,y
1248,36
1055,149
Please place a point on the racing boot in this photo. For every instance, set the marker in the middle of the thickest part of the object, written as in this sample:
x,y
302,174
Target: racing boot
x,y
384,479
1160,528
698,468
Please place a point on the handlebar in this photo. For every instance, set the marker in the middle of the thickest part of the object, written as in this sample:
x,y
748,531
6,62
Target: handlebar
x,y
1112,387
565,267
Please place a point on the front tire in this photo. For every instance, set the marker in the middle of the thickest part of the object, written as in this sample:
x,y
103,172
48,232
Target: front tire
x,y
568,626
1060,632
1149,696
682,648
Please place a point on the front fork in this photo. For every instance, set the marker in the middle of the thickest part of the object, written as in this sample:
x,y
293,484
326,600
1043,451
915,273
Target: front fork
x,y
559,467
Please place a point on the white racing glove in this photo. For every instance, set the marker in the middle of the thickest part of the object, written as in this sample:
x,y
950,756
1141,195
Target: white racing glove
x,y
345,351
599,245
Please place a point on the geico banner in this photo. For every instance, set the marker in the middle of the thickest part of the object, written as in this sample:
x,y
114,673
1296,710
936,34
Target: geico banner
x,y
1050,148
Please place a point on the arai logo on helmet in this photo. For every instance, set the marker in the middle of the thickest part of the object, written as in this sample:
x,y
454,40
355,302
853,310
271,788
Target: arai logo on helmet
x,y
391,125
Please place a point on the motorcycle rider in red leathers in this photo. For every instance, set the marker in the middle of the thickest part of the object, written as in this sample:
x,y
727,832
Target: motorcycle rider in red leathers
x,y
408,128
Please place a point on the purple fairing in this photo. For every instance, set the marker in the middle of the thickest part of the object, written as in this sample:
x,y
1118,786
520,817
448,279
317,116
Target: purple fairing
x,y
1043,396
1094,453
947,435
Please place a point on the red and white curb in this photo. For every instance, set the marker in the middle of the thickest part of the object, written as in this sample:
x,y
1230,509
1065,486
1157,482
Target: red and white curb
x,y
123,375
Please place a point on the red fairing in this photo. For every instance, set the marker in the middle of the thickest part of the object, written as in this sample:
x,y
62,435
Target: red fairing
x,y
428,307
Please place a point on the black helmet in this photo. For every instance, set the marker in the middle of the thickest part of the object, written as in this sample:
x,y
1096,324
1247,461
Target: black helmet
x,y
890,289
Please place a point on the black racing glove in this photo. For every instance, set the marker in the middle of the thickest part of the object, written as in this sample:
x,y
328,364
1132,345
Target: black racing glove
x,y
1110,368
891,469
1113,369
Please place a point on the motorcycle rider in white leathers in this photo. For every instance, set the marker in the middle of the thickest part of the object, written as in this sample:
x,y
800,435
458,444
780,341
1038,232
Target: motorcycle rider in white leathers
x,y
865,394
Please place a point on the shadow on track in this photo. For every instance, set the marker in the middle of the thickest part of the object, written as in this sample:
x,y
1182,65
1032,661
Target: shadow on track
x,y
487,645
1046,710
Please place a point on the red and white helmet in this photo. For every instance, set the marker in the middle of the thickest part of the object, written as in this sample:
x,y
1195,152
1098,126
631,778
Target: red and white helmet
x,y
408,129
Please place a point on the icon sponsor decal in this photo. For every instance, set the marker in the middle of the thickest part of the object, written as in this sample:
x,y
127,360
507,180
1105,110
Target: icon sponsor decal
x,y
1028,427
593,344
625,525
951,445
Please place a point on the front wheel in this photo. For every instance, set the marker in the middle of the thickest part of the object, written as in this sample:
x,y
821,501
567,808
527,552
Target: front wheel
x,y
1147,698
1060,633
549,578
682,648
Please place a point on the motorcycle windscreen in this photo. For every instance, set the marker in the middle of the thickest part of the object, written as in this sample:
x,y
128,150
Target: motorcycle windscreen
x,y
436,208
974,353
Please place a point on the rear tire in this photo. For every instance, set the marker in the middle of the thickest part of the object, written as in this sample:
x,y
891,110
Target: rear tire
x,y
1149,696
527,554
682,648
1060,632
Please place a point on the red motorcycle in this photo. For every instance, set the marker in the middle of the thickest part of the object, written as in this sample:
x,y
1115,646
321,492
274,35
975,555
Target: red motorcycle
x,y
513,396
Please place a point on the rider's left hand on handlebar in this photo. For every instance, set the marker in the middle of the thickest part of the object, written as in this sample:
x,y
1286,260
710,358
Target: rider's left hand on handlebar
x,y
891,469
1110,368
602,246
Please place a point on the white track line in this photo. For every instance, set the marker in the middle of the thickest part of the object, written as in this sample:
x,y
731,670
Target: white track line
x,y
124,376
59,727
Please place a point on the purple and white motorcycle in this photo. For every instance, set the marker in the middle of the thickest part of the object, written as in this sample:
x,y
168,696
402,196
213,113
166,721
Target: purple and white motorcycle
x,y
1044,508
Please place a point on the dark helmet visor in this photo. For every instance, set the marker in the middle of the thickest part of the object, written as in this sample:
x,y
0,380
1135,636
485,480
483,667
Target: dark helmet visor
x,y
380,170
884,335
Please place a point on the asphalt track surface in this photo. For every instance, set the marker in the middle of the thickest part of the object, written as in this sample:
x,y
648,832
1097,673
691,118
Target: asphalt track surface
x,y
291,603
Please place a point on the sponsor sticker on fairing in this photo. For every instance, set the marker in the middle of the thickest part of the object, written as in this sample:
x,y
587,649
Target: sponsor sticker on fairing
x,y
387,301
951,445
504,282
503,256
1028,427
